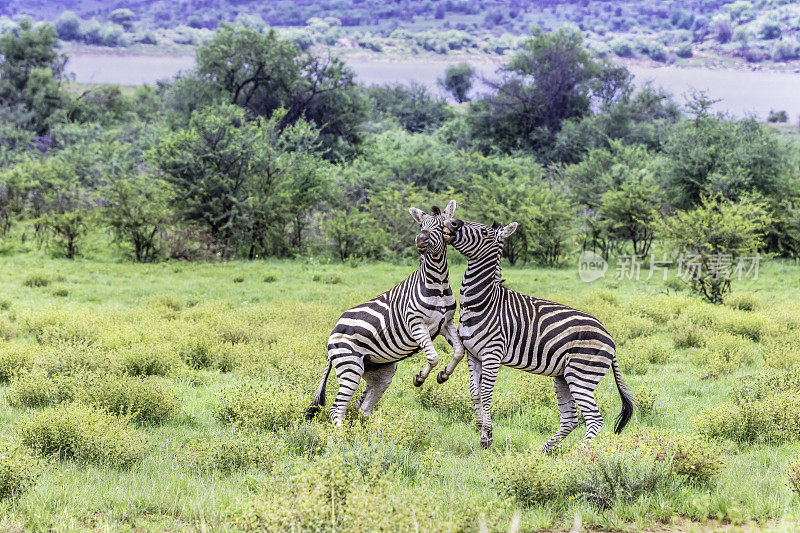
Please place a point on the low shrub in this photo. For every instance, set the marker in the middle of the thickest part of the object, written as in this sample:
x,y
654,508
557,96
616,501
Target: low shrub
x,y
645,400
724,353
148,359
8,329
270,277
743,301
139,399
636,356
782,350
751,325
84,433
238,279
232,450
397,425
375,502
19,470
165,305
451,397
627,327
36,388
686,334
61,325
37,279
770,420
259,404
660,308
606,470
14,358
765,384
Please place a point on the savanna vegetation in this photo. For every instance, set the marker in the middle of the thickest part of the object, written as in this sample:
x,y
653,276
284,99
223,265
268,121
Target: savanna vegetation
x,y
175,257
762,32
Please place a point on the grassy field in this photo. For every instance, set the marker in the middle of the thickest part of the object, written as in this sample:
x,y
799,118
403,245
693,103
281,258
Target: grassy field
x,y
205,369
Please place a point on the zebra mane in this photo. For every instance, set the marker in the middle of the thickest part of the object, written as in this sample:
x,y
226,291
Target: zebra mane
x,y
435,211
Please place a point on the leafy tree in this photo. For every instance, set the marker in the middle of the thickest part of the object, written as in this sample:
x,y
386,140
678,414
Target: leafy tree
x,y
630,213
414,107
551,79
709,155
31,71
713,235
458,81
243,181
262,72
123,17
137,211
68,26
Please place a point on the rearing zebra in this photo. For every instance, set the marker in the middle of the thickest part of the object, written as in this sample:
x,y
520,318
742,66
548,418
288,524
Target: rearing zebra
x,y
500,326
371,338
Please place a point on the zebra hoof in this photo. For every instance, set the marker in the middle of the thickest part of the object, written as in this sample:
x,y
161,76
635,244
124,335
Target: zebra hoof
x,y
418,381
441,377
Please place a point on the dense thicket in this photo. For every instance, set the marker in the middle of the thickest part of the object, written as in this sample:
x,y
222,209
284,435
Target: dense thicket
x,y
267,150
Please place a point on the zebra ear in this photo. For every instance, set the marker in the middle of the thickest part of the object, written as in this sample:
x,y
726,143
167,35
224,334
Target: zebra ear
x,y
450,210
508,230
417,214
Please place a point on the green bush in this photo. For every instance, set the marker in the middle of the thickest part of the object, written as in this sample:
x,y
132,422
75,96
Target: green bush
x,y
14,358
37,279
36,388
452,397
234,449
61,292
238,279
84,433
638,354
270,277
771,420
148,359
765,384
684,50
259,404
686,333
725,353
139,399
645,401
743,301
19,470
782,349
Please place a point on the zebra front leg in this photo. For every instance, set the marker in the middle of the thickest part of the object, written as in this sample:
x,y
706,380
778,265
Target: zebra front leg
x,y
569,415
451,334
474,365
489,367
423,338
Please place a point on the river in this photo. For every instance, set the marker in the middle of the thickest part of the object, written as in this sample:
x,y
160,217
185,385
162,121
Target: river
x,y
741,92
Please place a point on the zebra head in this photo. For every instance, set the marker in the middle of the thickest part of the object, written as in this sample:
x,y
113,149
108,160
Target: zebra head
x,y
430,241
474,240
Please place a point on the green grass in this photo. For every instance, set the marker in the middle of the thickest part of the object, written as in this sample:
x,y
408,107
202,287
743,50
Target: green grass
x,y
420,454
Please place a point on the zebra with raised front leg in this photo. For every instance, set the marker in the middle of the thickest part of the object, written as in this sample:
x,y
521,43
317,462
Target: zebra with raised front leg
x,y
369,339
501,327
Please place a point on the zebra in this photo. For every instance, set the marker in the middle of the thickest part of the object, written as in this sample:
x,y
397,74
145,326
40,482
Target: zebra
x,y
500,326
369,339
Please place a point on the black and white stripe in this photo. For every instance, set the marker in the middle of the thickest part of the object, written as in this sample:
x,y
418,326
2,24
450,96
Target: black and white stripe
x,y
501,327
371,338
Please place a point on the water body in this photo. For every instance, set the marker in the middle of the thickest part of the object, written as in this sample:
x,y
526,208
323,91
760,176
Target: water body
x,y
741,92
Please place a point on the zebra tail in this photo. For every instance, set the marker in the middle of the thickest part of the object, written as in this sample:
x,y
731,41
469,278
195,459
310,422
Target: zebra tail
x,y
628,402
319,398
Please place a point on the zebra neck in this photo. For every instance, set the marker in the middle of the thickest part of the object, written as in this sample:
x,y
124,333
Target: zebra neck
x,y
481,280
433,270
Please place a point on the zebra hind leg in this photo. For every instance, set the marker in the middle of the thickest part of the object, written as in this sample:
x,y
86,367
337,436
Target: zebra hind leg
x,y
349,368
582,389
569,415
378,378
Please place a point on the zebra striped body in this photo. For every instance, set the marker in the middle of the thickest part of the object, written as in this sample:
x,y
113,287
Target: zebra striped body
x,y
369,339
499,326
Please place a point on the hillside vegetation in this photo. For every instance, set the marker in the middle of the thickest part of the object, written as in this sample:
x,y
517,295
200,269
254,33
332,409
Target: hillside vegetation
x,y
685,31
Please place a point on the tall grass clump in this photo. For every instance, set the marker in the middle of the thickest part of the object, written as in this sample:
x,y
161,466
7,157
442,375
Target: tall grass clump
x,y
743,301
259,404
37,279
19,470
82,432
148,359
139,399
